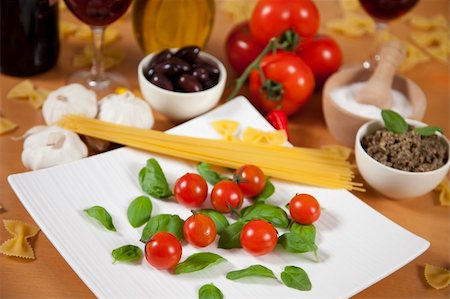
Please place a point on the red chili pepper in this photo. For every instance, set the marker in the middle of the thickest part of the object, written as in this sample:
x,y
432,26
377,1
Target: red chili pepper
x,y
278,119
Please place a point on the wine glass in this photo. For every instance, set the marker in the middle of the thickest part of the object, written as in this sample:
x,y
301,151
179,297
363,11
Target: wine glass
x,y
98,14
383,11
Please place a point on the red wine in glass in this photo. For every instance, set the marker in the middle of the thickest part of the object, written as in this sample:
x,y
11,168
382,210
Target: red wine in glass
x,y
387,9
98,13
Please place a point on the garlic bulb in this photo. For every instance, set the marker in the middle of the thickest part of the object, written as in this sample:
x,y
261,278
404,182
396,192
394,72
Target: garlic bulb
x,y
52,146
69,99
126,109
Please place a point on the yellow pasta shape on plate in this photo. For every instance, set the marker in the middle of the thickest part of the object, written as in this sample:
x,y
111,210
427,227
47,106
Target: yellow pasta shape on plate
x,y
226,128
340,150
18,246
252,135
437,277
6,125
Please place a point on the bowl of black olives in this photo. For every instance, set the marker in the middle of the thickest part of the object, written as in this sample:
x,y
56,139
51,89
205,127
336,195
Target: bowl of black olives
x,y
181,83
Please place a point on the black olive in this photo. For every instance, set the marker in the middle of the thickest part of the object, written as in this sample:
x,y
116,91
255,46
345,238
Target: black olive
x,y
160,57
209,83
181,64
209,65
167,68
161,81
188,83
201,74
148,72
188,54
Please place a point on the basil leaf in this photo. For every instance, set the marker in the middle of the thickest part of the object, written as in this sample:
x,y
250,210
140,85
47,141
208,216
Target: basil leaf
x,y
219,219
209,175
273,214
307,231
198,261
254,270
394,122
153,181
296,278
163,223
297,243
127,253
209,291
139,211
231,236
268,190
101,215
428,131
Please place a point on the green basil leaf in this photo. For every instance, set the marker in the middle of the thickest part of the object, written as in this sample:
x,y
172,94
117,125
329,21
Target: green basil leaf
x,y
101,215
198,261
254,270
163,223
127,253
268,190
139,211
394,122
307,231
153,181
428,131
209,175
219,219
273,214
231,236
296,243
296,278
209,291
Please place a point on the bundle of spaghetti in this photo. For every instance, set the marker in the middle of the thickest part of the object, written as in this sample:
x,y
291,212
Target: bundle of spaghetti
x,y
302,165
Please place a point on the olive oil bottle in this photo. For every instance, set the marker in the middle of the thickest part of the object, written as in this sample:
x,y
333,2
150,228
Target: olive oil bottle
x,y
161,24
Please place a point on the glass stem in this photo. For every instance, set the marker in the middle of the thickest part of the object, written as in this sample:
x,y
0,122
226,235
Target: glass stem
x,y
97,69
381,31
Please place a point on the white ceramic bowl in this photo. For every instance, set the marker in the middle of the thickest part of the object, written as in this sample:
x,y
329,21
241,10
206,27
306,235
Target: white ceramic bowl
x,y
391,182
179,106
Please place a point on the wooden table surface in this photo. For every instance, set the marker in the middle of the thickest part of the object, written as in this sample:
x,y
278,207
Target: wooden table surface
x,y
50,275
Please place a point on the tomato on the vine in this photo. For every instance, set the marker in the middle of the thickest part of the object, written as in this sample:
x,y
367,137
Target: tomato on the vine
x,y
271,18
199,230
304,208
191,190
258,237
241,48
250,179
163,251
291,83
226,194
323,55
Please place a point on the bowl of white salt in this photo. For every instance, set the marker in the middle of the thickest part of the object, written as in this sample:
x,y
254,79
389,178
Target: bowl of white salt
x,y
344,115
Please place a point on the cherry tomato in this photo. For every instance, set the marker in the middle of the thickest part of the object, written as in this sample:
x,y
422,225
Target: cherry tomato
x,y
163,251
226,194
295,77
323,55
241,48
270,18
304,208
258,237
199,230
250,179
191,190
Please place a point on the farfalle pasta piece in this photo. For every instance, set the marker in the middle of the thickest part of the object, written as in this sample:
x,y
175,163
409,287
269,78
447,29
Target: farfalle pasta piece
x,y
226,128
84,33
349,5
111,57
6,125
25,90
435,43
353,25
238,10
424,23
437,277
252,135
444,192
18,246
340,150
67,28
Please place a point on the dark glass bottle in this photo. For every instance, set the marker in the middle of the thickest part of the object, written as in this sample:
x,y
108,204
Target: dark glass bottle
x,y
29,42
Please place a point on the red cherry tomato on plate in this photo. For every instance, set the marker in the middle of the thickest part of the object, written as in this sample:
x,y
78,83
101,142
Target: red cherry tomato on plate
x,y
226,194
258,237
241,48
304,208
199,230
295,77
271,18
250,179
191,190
323,55
163,251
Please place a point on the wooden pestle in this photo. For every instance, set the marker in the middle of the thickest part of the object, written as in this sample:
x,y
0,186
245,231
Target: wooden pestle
x,y
377,90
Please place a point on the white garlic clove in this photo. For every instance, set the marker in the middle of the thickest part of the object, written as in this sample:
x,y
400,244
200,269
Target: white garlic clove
x,y
69,99
126,109
52,146
33,130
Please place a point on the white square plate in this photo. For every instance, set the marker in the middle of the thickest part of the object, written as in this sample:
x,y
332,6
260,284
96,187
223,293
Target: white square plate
x,y
357,245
